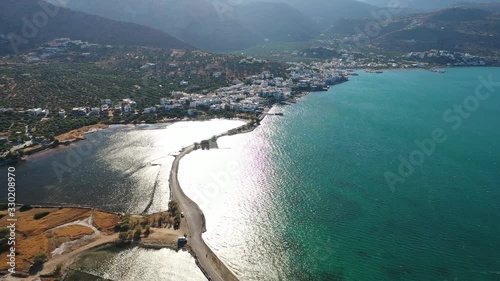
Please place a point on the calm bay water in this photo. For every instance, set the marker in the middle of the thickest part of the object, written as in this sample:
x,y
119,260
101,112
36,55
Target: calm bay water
x,y
304,196
117,169
114,169
132,264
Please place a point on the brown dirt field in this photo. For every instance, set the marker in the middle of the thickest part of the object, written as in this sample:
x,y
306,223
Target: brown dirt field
x,y
35,236
29,248
28,226
105,221
26,249
73,231
79,133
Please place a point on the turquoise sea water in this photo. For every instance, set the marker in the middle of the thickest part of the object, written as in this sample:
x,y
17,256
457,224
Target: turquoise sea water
x,y
304,196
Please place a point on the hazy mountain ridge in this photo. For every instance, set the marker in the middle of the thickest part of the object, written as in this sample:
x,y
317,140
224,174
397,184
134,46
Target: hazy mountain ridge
x,y
207,25
456,29
76,25
424,5
326,12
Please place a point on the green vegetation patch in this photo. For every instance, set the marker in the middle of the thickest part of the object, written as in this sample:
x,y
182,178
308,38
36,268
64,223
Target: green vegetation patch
x,y
40,215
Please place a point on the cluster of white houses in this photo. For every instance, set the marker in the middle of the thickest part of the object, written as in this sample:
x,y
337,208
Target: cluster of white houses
x,y
244,97
125,106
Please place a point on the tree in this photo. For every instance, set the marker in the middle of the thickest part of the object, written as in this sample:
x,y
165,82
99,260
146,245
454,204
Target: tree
x,y
147,231
137,234
173,207
123,236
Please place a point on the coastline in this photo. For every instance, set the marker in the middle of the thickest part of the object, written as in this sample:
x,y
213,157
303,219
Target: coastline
x,y
77,135
98,241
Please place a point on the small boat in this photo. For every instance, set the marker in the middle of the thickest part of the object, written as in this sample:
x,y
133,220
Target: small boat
x,y
438,70
375,71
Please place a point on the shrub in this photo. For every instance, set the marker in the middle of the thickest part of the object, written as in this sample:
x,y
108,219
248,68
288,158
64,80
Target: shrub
x,y
4,238
40,258
124,227
147,231
144,222
40,215
25,208
58,269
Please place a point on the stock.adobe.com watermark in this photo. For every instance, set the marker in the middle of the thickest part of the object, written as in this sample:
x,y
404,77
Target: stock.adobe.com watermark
x,y
11,220
454,117
381,18
220,182
225,8
31,24
76,157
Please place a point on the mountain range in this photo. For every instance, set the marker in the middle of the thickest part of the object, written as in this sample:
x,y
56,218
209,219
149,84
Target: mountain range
x,y
233,25
229,25
456,29
210,25
28,23
327,12
423,5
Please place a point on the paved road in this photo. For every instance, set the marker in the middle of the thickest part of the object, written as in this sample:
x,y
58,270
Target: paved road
x,y
212,266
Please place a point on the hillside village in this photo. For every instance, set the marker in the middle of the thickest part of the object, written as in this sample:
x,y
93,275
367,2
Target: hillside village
x,y
249,98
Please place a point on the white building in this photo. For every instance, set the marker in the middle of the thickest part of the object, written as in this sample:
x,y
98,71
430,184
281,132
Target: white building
x,y
94,111
106,101
35,111
127,109
149,110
